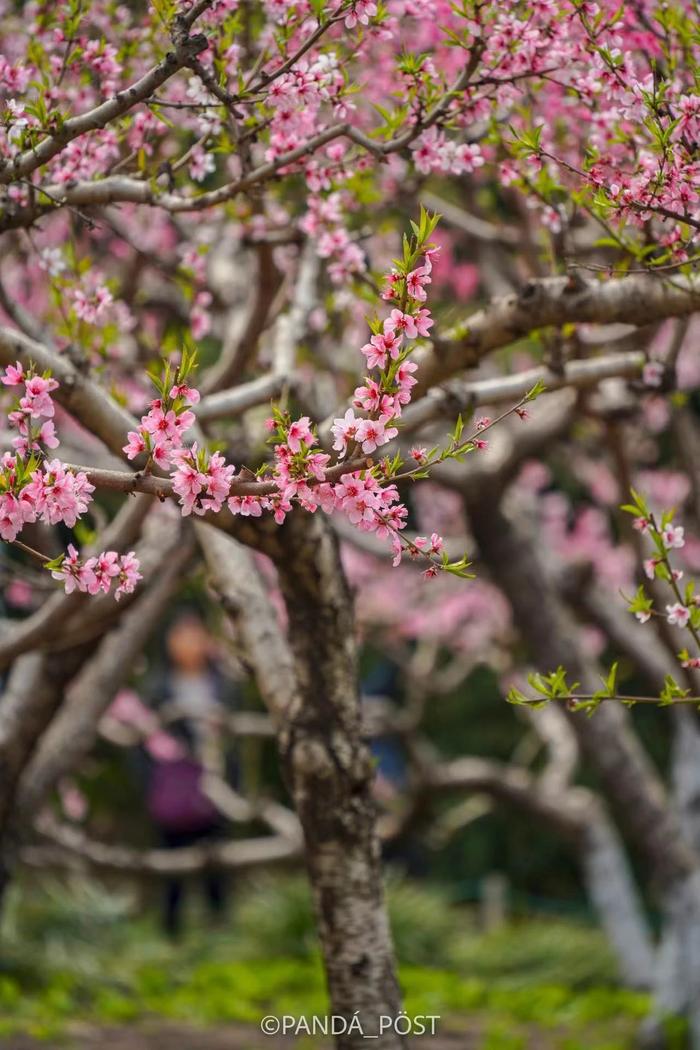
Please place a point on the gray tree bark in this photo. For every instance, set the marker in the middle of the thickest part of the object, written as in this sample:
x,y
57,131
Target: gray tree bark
x,y
327,766
677,988
607,740
614,895
613,751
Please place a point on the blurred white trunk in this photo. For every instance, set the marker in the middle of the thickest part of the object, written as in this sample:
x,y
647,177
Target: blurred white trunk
x,y
678,971
614,895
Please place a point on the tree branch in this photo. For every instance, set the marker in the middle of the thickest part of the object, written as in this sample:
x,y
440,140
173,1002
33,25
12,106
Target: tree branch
x,y
635,300
460,396
72,842
99,117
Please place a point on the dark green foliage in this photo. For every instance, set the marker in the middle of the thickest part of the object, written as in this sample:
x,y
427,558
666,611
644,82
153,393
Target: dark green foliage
x,y
78,952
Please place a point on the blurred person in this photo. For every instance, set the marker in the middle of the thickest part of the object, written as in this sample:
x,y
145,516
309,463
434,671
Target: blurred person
x,y
379,685
189,700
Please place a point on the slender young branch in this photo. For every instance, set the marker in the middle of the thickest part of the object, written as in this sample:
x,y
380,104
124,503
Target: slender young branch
x,y
30,550
555,301
576,700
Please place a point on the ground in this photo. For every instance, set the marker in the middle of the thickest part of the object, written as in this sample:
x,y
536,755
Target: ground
x,y
85,968
158,1036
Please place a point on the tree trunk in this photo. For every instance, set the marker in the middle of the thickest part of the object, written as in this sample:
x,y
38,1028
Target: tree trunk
x,y
614,752
326,764
606,739
613,894
34,692
677,987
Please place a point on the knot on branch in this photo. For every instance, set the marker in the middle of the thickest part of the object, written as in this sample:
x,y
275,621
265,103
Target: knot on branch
x,y
186,46
575,282
528,292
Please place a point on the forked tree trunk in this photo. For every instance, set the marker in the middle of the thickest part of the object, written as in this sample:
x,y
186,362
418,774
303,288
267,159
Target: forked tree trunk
x,y
677,988
607,740
613,751
33,693
326,764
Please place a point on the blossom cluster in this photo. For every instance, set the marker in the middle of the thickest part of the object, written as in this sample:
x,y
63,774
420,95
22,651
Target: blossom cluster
x,y
200,479
33,488
98,573
360,481
204,481
684,611
571,80
368,496
32,417
161,430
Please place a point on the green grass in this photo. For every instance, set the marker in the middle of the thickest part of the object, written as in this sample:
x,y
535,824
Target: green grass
x,y
79,953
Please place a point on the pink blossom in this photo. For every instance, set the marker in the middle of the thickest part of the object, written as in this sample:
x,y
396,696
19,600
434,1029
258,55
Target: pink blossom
x,y
104,568
467,158
200,319
129,574
653,373
37,397
14,514
673,536
202,164
281,506
416,281
401,323
13,375
187,393
59,494
406,381
677,614
373,433
298,432
345,430
650,567
382,347
47,435
246,506
360,11
434,545
202,481
423,322
73,573
160,423
90,304
135,445
317,464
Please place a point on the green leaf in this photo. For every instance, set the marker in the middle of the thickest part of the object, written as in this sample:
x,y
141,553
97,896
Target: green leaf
x,y
536,390
611,681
